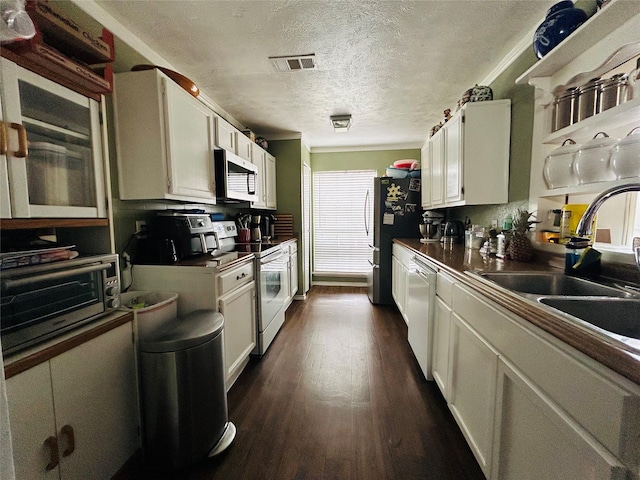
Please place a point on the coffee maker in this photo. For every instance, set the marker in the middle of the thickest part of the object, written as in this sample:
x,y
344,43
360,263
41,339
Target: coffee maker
x,y
256,231
430,228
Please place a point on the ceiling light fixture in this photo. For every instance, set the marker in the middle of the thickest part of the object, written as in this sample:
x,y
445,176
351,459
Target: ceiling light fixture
x,y
341,123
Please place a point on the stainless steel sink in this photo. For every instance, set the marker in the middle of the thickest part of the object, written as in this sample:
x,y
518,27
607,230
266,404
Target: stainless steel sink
x,y
551,283
616,315
610,312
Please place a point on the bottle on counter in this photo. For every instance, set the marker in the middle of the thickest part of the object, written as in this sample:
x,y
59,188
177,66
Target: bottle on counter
x,y
569,219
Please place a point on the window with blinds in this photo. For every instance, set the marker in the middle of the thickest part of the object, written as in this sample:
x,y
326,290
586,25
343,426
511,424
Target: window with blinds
x,y
340,242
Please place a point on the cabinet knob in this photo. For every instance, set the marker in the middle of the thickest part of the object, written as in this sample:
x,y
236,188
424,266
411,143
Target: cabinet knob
x,y
67,431
54,460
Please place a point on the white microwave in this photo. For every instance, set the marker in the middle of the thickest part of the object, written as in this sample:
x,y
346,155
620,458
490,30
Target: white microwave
x,y
236,178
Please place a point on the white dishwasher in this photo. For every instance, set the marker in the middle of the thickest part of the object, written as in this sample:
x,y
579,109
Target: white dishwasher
x,y
420,311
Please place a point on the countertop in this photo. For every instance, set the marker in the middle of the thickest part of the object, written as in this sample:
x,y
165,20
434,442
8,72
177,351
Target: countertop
x,y
455,260
21,361
244,251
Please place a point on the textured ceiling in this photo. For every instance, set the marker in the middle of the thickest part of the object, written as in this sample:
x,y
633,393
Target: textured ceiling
x,y
393,65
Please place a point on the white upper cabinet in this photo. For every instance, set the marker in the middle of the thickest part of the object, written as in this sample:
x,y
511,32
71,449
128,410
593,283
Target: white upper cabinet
x,y
266,190
453,160
270,182
226,135
259,158
243,146
164,139
469,157
51,157
425,175
436,168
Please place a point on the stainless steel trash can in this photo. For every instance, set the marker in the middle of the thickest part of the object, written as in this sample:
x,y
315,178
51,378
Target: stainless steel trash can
x,y
184,397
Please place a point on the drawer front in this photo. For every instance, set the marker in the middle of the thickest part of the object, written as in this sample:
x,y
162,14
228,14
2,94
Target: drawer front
x,y
444,287
404,255
293,248
232,279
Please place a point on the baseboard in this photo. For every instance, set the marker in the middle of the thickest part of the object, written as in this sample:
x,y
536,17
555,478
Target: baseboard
x,y
334,283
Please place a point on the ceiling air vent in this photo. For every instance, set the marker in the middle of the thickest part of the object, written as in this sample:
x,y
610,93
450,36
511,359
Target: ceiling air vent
x,y
291,63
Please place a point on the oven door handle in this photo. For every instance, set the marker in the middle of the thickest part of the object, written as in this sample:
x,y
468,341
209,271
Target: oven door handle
x,y
20,282
273,257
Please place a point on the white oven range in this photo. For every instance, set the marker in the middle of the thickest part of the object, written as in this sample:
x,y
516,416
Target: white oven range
x,y
273,292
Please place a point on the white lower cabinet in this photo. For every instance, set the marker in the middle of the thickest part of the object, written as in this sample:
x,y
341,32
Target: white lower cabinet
x,y
442,332
76,415
293,269
239,312
229,289
474,367
399,285
440,352
530,406
536,439
401,265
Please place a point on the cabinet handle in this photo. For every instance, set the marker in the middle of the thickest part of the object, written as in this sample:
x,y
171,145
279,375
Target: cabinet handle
x,y
22,151
240,277
3,138
67,431
52,444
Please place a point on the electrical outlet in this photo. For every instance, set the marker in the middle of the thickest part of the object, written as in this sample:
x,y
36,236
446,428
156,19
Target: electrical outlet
x,y
140,225
494,223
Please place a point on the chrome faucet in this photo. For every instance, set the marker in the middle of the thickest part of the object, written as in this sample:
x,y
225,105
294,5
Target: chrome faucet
x,y
585,225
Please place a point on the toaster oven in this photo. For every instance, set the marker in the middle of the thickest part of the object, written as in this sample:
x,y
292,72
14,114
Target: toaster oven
x,y
39,302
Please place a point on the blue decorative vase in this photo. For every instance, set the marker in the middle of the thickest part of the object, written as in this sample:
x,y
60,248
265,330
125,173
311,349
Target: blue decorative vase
x,y
561,20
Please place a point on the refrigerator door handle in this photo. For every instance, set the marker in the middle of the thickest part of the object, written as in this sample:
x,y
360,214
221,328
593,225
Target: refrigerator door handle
x,y
366,217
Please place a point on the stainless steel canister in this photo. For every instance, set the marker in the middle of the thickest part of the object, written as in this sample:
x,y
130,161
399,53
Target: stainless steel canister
x,y
565,109
588,99
614,92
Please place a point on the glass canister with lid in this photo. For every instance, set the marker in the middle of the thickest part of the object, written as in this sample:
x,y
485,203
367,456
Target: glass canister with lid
x,y
558,166
592,161
625,156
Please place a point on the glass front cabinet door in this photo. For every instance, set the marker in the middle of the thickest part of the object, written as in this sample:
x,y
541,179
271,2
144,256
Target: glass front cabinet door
x,y
52,156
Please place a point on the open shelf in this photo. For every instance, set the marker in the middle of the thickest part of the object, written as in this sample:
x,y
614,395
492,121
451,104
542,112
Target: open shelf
x,y
603,22
31,223
627,113
586,188
65,35
64,52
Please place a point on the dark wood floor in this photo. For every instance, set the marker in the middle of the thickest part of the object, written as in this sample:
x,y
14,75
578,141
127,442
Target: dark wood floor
x,y
338,396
